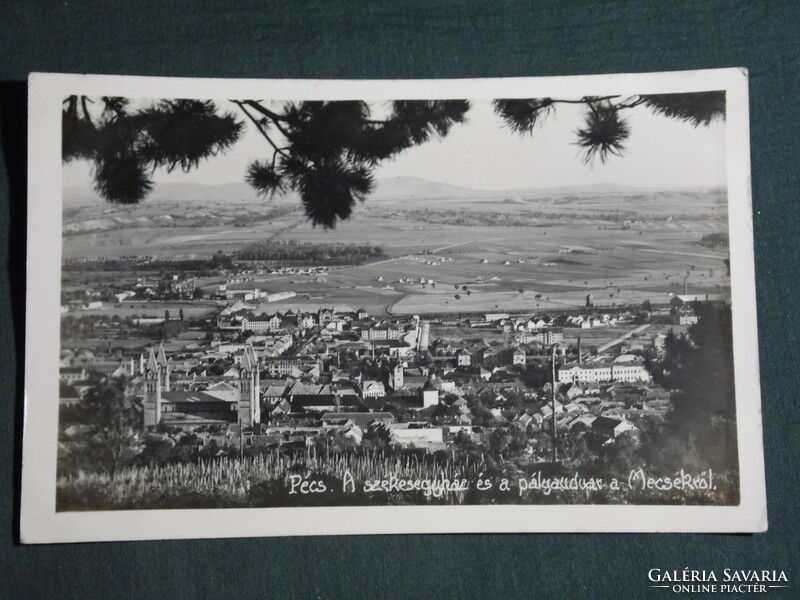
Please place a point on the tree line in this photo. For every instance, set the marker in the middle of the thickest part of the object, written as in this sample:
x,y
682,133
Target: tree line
x,y
715,240
212,263
311,254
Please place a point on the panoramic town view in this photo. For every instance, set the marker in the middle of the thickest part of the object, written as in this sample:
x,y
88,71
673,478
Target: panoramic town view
x,y
435,344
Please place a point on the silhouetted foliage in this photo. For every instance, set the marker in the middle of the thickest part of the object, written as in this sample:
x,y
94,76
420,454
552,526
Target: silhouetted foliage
x,y
523,115
326,151
605,130
715,240
323,151
126,145
700,108
700,368
114,421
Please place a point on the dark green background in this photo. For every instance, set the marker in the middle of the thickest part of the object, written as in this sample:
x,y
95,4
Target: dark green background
x,y
413,40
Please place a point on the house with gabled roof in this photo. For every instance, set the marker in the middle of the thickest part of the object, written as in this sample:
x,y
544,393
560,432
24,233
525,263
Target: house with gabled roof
x,y
612,428
519,357
274,393
280,409
363,420
464,358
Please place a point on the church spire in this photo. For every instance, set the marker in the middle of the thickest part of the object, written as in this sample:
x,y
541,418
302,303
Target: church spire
x,y
163,363
162,357
152,364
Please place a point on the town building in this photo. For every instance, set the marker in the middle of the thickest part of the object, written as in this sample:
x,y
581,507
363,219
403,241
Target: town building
x,y
262,323
547,337
383,333
519,357
627,369
407,435
245,295
70,375
285,367
611,428
373,389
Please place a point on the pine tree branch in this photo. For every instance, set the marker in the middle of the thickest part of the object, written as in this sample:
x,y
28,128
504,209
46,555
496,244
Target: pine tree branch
x,y
263,110
639,100
86,115
588,100
591,104
273,116
260,128
584,100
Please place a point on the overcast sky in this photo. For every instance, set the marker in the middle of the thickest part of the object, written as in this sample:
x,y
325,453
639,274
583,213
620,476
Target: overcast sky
x,y
483,153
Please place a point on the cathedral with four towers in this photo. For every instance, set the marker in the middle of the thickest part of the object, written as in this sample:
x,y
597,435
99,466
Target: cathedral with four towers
x,y
223,402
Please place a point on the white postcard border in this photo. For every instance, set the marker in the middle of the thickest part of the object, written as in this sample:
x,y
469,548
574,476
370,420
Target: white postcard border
x,y
41,524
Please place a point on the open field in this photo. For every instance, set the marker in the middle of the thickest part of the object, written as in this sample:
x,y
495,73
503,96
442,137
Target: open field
x,y
153,309
180,343
618,248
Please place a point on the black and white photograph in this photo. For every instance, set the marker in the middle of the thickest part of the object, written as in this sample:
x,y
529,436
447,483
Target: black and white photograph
x,y
398,306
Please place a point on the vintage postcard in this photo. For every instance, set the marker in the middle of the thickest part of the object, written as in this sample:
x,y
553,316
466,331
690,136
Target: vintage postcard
x,y
265,308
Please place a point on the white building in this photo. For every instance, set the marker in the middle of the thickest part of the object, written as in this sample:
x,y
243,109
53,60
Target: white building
x,y
417,436
373,389
383,333
496,316
548,337
624,368
260,325
279,296
244,295
519,357
430,398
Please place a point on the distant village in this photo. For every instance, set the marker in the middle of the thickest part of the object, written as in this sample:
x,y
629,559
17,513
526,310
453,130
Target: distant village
x,y
253,375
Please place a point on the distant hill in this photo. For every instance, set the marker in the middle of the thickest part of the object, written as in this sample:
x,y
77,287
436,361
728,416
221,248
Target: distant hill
x,y
385,189
392,188
183,192
398,188
588,188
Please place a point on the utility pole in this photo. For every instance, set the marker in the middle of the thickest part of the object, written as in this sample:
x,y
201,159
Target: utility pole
x,y
553,397
241,438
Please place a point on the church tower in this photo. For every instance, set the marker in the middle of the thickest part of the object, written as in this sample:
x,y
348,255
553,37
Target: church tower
x,y
397,376
423,335
163,364
151,392
249,405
